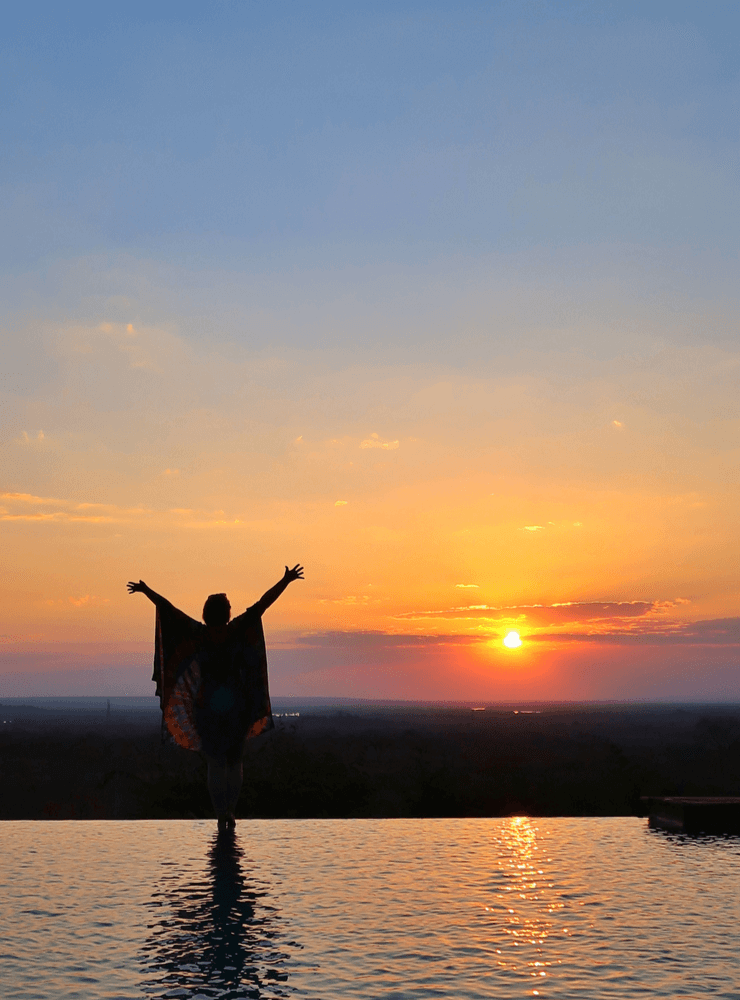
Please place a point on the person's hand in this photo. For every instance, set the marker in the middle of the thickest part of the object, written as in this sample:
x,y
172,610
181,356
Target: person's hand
x,y
140,587
293,574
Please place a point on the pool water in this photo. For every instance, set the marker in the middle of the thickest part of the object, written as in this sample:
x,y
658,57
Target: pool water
x,y
458,908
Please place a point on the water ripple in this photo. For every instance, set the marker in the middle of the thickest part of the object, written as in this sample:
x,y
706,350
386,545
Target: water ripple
x,y
212,933
571,908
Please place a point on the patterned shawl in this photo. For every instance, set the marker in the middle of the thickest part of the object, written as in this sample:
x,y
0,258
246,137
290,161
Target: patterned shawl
x,y
211,680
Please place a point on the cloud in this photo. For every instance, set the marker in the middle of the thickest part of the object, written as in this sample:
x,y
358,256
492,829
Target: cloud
x,y
38,439
467,586
709,632
89,599
27,507
374,442
619,622
378,640
144,349
543,615
533,527
351,600
341,503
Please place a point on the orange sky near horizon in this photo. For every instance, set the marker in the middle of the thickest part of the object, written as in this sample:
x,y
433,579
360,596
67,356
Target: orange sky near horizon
x,y
570,525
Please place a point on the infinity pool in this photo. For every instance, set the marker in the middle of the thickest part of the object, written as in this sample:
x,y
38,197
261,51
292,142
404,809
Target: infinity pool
x,y
325,909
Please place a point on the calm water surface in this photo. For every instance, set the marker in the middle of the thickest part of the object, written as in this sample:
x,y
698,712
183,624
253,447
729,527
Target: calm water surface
x,y
461,908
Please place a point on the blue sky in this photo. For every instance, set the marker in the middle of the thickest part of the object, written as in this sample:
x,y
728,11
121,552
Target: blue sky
x,y
366,131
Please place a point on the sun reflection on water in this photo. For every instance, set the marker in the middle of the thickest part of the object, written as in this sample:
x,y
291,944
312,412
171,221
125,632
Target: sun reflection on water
x,y
526,904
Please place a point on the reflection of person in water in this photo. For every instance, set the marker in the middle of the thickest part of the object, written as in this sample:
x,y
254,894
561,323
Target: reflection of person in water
x,y
214,931
212,683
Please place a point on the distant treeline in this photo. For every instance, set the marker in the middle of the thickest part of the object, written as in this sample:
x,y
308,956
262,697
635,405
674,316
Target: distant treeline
x,y
404,762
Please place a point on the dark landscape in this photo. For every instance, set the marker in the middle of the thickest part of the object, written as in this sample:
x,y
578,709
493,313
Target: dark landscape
x,y
84,760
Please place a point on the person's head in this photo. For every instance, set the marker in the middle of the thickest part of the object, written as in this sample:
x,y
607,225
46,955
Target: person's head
x,y
216,610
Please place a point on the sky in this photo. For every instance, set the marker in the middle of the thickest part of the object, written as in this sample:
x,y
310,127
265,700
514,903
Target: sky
x,y
438,299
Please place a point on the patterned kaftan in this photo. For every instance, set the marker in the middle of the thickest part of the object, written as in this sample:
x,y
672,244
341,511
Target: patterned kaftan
x,y
211,680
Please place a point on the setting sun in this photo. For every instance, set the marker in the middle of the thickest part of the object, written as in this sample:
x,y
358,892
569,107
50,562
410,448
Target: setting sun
x,y
512,640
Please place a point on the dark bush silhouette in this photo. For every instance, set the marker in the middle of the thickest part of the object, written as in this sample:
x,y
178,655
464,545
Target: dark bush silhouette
x,y
377,761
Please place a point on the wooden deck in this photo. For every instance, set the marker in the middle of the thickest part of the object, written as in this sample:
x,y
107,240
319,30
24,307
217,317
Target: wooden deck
x,y
693,813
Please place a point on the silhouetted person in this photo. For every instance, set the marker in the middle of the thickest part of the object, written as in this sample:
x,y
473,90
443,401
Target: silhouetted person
x,y
212,683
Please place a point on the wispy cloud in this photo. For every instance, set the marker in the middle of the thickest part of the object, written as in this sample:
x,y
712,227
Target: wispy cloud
x,y
467,586
35,439
27,507
709,632
145,348
543,615
723,631
350,600
650,622
89,600
378,639
374,442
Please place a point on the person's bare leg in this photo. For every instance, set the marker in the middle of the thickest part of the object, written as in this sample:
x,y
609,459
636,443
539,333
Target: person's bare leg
x,y
217,789
234,776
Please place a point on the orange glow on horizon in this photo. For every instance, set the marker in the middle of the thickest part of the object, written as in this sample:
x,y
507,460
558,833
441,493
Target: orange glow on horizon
x,y
604,575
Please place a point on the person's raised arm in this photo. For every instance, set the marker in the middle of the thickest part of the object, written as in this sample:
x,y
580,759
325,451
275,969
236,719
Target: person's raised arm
x,y
141,588
270,596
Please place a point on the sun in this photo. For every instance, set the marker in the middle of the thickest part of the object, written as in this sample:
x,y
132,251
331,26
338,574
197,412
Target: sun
x,y
512,640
